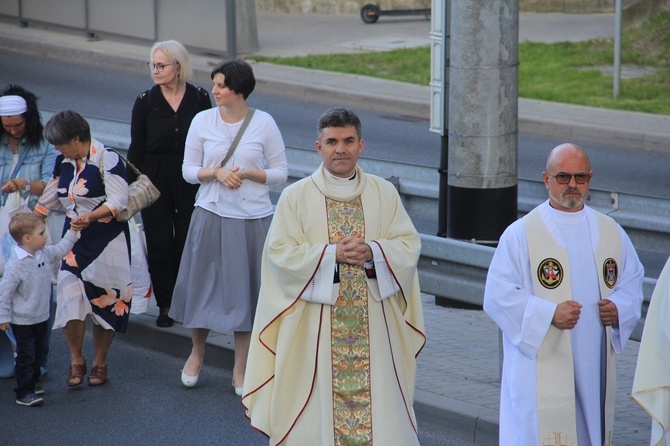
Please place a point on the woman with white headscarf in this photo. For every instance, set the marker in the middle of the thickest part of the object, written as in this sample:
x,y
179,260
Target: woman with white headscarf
x,y
26,160
26,164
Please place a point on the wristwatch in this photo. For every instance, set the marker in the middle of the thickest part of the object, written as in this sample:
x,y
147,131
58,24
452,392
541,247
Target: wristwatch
x,y
27,188
244,173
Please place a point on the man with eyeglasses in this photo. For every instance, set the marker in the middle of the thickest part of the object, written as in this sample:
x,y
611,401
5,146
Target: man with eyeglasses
x,y
565,288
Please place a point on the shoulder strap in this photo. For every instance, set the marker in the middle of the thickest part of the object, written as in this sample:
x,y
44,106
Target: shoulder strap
x,y
102,167
125,160
203,99
238,137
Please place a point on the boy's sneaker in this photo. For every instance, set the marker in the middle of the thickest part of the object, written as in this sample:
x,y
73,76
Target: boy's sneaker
x,y
39,390
30,400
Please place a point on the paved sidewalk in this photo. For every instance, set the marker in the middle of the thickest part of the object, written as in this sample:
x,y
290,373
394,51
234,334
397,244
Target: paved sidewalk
x,y
458,370
459,367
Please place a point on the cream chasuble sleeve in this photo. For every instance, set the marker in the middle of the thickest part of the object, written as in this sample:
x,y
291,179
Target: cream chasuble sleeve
x,y
322,290
385,285
651,385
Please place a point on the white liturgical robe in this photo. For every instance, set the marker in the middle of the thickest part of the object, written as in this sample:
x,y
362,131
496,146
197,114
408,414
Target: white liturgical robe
x,y
525,319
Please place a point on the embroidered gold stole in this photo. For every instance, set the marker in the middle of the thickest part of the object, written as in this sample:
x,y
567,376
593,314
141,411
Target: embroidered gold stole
x,y
350,340
550,271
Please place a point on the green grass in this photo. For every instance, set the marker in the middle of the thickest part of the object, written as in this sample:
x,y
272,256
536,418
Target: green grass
x,y
404,65
570,73
560,72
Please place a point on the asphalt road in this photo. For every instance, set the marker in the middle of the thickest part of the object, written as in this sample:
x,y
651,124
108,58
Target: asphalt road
x,y
144,403
109,93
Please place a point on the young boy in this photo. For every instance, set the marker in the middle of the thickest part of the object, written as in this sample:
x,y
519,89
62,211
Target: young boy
x,y
25,293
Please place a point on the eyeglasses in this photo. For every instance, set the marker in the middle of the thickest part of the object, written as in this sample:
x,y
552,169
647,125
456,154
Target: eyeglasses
x,y
157,66
580,178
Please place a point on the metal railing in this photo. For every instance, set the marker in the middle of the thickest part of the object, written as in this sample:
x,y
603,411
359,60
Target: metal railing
x,y
455,269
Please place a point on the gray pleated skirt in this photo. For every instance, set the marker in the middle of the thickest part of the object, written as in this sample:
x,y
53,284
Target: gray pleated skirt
x,y
220,272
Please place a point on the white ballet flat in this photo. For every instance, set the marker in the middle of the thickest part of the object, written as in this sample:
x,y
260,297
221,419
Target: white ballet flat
x,y
189,381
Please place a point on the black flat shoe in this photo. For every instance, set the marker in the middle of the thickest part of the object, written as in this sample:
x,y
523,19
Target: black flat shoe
x,y
164,320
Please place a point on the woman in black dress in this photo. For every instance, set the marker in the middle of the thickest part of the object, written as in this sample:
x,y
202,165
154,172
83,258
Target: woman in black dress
x,y
160,121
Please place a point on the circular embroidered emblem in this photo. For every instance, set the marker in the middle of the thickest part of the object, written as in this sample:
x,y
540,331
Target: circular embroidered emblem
x,y
610,272
550,273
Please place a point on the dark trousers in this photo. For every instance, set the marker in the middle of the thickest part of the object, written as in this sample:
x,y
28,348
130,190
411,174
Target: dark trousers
x,y
165,228
31,347
166,222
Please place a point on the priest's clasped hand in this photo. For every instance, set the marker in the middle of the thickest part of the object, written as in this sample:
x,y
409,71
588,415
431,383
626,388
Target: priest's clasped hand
x,y
353,250
608,312
567,314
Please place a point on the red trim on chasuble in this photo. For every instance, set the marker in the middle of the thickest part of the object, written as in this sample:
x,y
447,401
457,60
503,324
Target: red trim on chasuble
x,y
402,293
311,388
350,337
395,369
316,356
260,334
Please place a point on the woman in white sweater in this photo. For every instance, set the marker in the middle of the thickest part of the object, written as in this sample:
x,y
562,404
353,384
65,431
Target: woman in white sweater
x,y
219,275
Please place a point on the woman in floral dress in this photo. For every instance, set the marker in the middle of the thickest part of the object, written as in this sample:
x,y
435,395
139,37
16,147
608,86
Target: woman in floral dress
x,y
89,184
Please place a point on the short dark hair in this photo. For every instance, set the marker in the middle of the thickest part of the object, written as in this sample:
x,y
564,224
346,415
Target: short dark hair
x,y
338,117
66,125
32,116
238,76
23,223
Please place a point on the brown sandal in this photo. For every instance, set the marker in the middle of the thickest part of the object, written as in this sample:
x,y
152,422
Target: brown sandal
x,y
98,375
77,372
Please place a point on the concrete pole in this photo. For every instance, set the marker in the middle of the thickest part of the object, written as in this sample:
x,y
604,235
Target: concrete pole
x,y
231,29
483,122
441,11
246,28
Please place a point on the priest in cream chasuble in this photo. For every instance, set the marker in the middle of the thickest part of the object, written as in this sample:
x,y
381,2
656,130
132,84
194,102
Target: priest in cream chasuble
x,y
339,323
651,386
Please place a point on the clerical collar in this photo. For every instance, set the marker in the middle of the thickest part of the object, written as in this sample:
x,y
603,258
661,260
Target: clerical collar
x,y
330,175
341,185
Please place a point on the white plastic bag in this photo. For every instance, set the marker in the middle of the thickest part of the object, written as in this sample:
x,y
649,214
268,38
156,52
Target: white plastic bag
x,y
139,269
5,239
55,222
13,205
